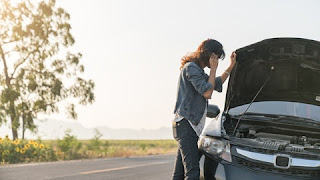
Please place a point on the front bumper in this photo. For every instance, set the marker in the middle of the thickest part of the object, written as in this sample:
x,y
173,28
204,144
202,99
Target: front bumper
x,y
231,171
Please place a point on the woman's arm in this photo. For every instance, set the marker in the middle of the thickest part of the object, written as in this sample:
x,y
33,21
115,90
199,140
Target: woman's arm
x,y
213,68
227,72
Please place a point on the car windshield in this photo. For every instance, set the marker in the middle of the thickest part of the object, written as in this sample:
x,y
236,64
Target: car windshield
x,y
280,108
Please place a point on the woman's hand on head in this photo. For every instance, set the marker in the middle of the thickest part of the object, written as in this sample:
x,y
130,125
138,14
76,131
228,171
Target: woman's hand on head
x,y
214,61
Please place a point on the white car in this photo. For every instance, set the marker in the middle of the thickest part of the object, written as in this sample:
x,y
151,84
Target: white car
x,y
270,126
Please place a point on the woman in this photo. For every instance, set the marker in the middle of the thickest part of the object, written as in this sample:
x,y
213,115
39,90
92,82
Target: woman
x,y
195,87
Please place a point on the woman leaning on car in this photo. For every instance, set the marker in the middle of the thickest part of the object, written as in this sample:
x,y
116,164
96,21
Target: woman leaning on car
x,y
195,87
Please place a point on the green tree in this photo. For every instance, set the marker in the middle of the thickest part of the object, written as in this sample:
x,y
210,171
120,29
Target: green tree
x,y
39,67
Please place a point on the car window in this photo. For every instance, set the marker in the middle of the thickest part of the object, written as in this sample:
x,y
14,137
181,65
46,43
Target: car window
x,y
280,107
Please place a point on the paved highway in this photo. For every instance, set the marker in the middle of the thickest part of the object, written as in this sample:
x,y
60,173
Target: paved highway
x,y
158,167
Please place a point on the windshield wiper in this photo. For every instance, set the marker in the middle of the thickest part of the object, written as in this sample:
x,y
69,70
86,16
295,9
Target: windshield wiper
x,y
288,118
277,118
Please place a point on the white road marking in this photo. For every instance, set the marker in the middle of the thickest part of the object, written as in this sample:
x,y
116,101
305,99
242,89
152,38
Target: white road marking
x,y
124,167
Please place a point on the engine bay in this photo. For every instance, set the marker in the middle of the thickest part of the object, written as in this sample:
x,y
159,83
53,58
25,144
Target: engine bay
x,y
280,142
274,137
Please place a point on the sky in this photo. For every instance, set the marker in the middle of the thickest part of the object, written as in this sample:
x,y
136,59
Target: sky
x,y
132,48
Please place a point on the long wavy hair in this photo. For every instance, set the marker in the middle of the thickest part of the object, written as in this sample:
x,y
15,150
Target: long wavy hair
x,y
204,52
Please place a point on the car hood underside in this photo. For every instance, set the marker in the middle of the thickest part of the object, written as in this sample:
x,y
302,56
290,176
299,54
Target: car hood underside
x,y
292,64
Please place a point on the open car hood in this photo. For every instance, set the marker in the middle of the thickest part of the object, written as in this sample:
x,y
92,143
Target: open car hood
x,y
293,65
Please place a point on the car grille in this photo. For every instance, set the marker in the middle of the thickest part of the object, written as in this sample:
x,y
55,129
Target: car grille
x,y
294,152
269,168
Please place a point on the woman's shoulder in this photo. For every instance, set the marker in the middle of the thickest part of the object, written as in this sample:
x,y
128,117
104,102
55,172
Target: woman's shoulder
x,y
190,64
191,68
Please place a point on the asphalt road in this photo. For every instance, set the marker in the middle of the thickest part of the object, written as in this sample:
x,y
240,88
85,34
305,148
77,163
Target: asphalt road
x,y
157,167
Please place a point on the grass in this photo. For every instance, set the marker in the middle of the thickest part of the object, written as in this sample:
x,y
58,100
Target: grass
x,y
142,147
121,148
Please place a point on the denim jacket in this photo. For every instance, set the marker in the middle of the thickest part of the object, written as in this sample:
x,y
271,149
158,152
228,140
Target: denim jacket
x,y
193,83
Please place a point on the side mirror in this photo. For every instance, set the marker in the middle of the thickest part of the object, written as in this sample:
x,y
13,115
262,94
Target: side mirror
x,y
213,111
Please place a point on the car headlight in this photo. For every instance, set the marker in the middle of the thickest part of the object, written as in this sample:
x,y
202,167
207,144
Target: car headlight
x,y
215,147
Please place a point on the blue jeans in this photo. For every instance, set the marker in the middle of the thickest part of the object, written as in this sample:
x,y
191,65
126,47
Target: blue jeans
x,y
188,155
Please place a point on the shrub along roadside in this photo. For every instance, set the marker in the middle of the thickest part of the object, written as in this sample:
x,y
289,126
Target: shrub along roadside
x,y
24,151
18,151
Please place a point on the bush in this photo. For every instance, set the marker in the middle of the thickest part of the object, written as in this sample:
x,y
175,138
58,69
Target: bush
x,y
95,142
69,146
17,151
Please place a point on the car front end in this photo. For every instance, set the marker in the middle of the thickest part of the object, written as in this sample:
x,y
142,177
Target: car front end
x,y
270,125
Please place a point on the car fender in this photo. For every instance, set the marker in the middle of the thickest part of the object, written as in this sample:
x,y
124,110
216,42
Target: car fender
x,y
213,128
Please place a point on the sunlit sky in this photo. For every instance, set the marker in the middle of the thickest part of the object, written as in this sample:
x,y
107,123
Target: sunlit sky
x,y
132,48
